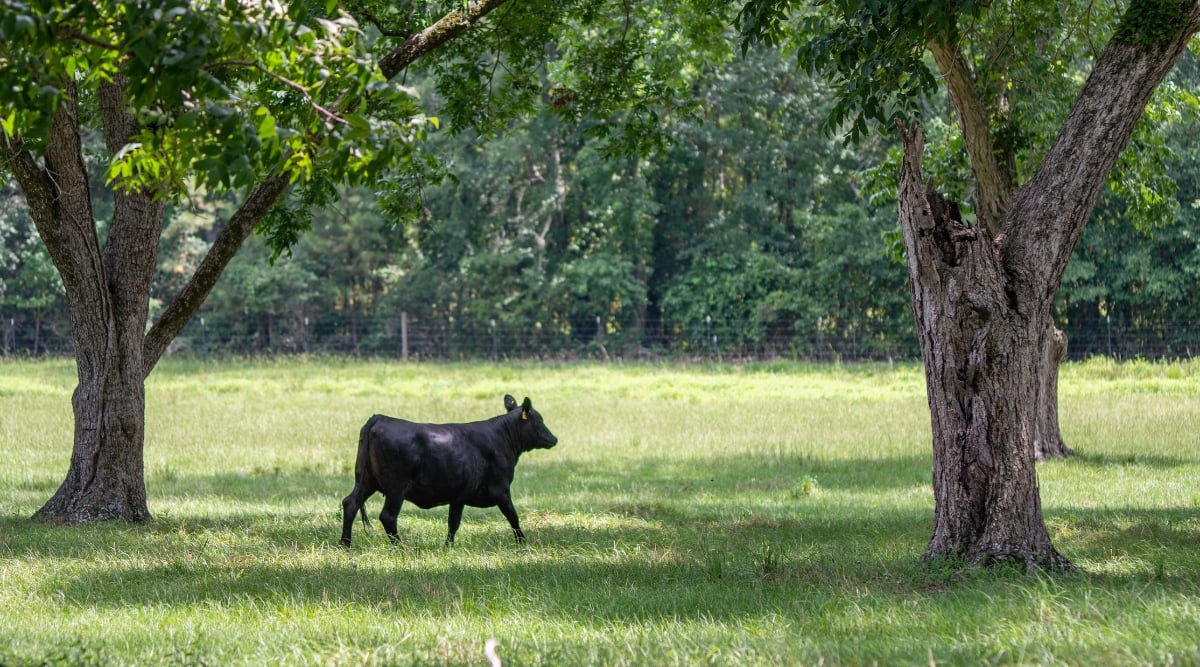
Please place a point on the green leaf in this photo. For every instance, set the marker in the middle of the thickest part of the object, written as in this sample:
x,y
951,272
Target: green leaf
x,y
266,126
9,123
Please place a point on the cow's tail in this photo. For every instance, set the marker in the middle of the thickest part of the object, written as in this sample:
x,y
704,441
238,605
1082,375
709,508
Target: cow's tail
x,y
361,470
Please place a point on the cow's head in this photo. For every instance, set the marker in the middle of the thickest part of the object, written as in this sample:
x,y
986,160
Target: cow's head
x,y
532,430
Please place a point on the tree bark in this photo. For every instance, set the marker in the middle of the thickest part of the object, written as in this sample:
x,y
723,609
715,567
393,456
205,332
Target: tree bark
x,y
445,29
983,305
994,184
1048,441
981,378
107,293
993,181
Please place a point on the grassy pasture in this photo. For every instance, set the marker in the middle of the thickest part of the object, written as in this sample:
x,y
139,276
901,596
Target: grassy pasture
x,y
752,515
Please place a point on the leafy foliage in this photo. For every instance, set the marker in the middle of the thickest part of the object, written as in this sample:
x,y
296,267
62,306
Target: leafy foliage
x,y
872,52
1152,21
223,92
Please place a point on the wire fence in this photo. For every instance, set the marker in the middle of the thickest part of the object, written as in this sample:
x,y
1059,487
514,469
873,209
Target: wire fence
x,y
408,337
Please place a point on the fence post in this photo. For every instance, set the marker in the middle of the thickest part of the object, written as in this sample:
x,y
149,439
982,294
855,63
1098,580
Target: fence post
x,y
403,335
821,338
1108,325
10,335
708,337
495,353
600,337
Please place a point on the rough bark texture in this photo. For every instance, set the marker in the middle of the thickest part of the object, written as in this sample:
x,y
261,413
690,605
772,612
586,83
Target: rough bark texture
x,y
994,184
1048,441
445,29
981,377
107,296
983,308
993,181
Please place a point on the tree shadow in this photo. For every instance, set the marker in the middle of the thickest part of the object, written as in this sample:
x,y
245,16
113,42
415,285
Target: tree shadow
x,y
686,525
1103,460
647,571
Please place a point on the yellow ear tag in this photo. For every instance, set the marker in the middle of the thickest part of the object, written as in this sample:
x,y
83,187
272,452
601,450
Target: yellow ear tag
x,y
524,415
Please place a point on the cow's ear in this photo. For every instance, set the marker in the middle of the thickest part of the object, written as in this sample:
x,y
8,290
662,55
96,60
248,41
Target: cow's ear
x,y
510,403
525,408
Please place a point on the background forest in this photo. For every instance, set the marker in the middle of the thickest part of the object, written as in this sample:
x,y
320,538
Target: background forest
x,y
744,228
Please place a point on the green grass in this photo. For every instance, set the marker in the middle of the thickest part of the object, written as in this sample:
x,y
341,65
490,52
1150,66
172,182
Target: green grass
x,y
751,515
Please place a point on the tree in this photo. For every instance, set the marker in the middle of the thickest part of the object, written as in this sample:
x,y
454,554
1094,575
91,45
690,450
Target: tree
x,y
747,215
983,289
220,95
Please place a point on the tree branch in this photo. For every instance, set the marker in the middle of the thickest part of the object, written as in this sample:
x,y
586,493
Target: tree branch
x,y
383,30
72,33
448,27
329,116
70,231
34,182
263,197
1047,214
239,227
74,245
993,181
130,250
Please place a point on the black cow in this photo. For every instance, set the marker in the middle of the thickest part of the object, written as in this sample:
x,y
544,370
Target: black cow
x,y
439,464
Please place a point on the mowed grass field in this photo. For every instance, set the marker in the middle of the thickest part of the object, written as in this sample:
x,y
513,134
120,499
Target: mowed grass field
x,y
733,515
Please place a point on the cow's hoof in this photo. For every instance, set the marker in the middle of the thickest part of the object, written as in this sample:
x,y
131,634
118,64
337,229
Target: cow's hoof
x,y
344,542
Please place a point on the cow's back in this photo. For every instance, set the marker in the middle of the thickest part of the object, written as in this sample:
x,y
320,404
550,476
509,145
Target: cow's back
x,y
434,464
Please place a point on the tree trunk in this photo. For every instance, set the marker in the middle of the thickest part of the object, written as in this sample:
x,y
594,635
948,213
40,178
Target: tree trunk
x,y
994,184
105,479
981,374
107,291
1048,441
983,302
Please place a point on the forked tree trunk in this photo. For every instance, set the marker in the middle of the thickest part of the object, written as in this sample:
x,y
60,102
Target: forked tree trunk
x,y
994,184
983,302
982,359
108,292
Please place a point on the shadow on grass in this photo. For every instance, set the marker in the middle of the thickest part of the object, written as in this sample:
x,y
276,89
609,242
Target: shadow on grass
x,y
724,570
668,536
1095,460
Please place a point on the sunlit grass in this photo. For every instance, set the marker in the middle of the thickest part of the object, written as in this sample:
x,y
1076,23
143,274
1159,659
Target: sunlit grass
x,y
743,515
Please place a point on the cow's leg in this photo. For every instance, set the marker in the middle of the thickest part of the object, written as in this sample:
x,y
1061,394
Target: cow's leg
x,y
391,510
510,513
352,505
456,510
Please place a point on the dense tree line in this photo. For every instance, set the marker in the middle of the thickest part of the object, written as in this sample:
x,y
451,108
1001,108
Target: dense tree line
x,y
541,239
